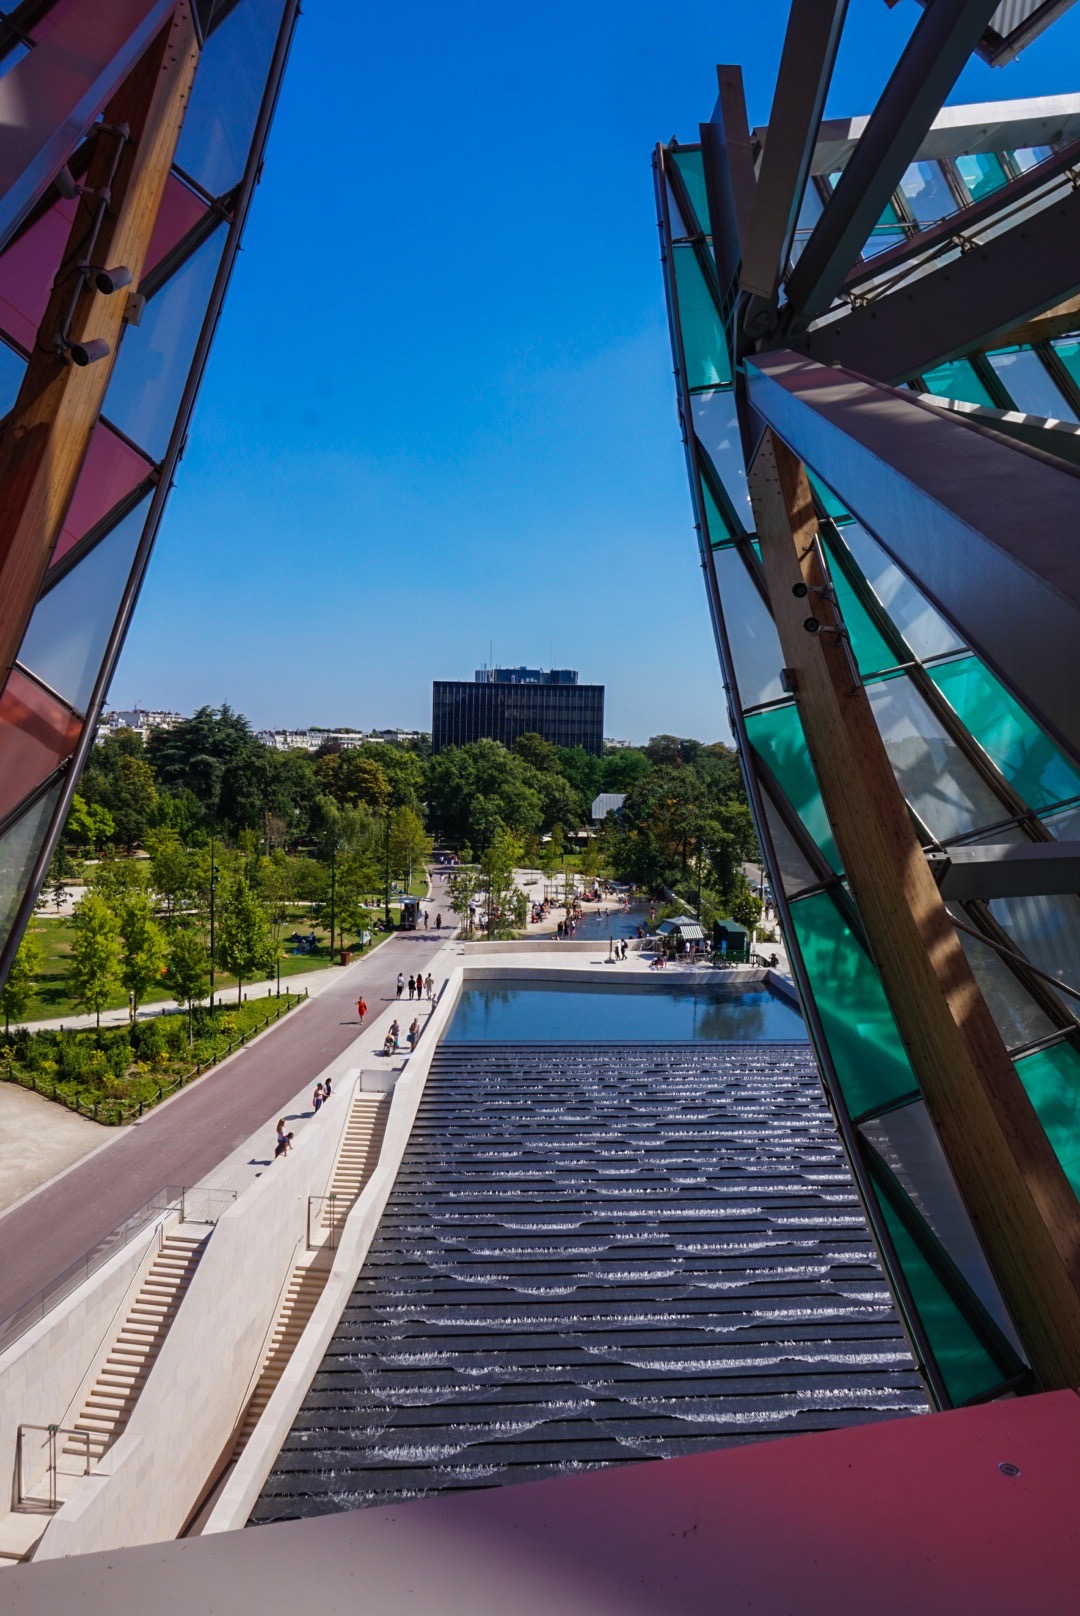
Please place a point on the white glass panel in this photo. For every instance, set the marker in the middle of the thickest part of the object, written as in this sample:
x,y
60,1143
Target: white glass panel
x,y
924,629
1047,931
717,427
936,778
1029,384
755,645
18,850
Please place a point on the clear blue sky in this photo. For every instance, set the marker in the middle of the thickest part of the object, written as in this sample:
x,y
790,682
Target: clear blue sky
x,y
440,413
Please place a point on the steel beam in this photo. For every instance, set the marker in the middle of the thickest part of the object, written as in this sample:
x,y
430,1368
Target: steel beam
x,y
986,528
1012,1183
730,182
806,65
941,43
979,296
1007,870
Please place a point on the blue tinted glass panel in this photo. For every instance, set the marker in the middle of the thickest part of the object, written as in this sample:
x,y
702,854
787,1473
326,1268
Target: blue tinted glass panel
x,y
156,355
717,426
982,173
65,642
1029,384
927,193
227,93
1027,758
1052,1080
958,379
937,780
688,161
12,371
778,736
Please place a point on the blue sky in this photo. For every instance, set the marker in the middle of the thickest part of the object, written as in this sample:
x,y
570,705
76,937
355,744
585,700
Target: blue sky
x,y
439,414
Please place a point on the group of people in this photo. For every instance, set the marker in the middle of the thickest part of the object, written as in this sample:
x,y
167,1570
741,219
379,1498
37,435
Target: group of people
x,y
417,985
392,1041
322,1092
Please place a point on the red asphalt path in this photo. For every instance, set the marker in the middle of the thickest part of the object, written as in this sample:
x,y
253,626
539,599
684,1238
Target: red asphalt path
x,y
185,1139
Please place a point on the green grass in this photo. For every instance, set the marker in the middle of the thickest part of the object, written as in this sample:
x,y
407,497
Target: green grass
x,y
120,1072
52,998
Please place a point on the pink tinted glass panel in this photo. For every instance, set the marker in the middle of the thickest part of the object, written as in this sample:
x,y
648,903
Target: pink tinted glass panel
x,y
28,269
180,210
36,733
110,471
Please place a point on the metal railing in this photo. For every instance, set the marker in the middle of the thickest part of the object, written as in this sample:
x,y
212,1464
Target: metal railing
x,y
326,1216
22,1497
199,1205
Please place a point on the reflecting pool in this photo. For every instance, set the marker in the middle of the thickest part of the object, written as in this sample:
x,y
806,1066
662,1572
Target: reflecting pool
x,y
584,1012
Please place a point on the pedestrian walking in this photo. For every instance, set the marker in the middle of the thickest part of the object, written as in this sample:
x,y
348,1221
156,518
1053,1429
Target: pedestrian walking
x,y
425,920
430,985
327,1090
438,921
361,1010
395,1034
414,1032
412,986
317,1097
400,984
284,1145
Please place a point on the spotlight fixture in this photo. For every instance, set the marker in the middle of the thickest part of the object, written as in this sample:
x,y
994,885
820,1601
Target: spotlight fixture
x,y
800,590
111,280
811,625
89,352
64,180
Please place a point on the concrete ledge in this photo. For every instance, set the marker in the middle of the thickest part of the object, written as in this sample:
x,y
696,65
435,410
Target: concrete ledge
x,y
241,1490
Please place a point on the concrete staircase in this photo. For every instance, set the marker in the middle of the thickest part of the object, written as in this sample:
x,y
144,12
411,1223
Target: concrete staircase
x,y
304,1289
112,1398
358,1155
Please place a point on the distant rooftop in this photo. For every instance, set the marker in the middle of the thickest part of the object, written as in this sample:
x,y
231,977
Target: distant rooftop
x,y
526,676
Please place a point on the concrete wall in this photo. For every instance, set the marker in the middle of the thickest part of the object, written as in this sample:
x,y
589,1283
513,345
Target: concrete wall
x,y
41,1372
145,1487
243,1486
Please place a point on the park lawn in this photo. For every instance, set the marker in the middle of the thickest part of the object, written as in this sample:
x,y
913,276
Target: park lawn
x,y
53,998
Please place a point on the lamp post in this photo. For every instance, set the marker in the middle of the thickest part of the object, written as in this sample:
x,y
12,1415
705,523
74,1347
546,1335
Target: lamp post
x,y
333,889
213,884
386,869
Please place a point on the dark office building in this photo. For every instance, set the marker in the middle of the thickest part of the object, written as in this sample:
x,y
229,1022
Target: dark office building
x,y
502,703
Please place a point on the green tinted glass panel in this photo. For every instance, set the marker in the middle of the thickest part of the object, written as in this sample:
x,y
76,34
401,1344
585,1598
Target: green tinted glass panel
x,y
719,531
704,342
778,736
692,171
1052,1079
982,173
1068,351
830,504
1026,757
958,379
872,651
967,1369
865,1046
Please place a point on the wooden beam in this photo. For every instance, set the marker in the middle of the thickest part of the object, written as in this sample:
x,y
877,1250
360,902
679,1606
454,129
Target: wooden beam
x,y
48,431
1012,1182
1056,322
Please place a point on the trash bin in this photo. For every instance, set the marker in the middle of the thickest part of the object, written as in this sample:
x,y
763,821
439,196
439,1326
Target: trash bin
x,y
346,956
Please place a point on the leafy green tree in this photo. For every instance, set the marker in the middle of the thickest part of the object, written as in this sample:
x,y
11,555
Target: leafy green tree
x,y
89,825
475,789
17,993
538,753
187,976
214,756
410,844
623,768
504,900
143,948
173,871
351,778
463,888
117,878
95,954
244,943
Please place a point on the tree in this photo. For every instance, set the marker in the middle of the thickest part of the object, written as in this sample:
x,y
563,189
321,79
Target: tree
x,y
245,945
462,887
89,825
17,993
537,752
504,899
410,844
173,874
187,976
143,948
213,755
351,778
131,798
95,954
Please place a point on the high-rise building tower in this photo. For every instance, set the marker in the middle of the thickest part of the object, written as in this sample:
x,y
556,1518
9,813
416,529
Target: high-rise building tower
x,y
502,703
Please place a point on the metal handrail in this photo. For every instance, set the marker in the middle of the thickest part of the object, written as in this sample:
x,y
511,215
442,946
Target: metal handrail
x,y
339,1211
198,1205
21,1498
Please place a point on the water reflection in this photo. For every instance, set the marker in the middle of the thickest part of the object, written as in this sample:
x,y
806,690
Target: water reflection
x,y
581,1012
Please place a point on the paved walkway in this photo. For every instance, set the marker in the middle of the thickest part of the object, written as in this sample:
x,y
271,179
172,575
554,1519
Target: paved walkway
x,y
182,1141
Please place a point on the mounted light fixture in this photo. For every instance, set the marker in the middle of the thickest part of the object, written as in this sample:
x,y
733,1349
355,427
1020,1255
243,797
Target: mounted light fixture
x,y
111,280
89,352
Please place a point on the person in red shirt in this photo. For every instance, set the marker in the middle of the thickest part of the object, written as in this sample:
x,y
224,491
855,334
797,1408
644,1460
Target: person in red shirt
x,y
361,1010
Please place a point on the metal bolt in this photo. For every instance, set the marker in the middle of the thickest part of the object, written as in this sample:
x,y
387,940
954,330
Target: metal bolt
x,y
1009,1469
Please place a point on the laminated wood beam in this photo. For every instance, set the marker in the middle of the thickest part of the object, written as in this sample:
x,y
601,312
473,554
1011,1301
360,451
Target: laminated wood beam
x,y
48,432
1009,1176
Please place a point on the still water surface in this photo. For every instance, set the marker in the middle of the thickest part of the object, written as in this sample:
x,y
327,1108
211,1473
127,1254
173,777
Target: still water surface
x,y
581,1012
